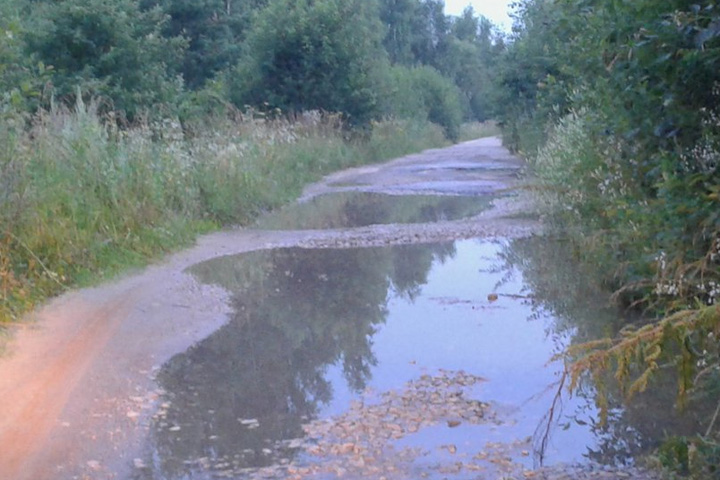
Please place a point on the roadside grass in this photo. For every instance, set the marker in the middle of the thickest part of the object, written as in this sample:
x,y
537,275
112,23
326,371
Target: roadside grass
x,y
82,200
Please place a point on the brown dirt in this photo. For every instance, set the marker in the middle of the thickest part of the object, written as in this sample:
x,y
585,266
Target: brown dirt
x,y
77,382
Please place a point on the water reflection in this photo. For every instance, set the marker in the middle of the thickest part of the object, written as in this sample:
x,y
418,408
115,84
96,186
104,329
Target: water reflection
x,y
236,395
359,209
312,329
571,289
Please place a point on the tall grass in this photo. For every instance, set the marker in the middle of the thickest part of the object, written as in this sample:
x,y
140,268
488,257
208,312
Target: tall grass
x,y
81,199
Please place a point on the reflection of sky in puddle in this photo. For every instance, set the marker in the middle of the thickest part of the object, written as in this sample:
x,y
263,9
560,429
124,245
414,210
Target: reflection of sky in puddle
x,y
453,326
314,328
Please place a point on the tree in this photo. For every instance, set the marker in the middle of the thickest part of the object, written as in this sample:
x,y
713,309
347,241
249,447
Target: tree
x,y
111,49
415,29
423,93
468,55
401,18
21,79
467,26
313,54
463,49
214,30
435,28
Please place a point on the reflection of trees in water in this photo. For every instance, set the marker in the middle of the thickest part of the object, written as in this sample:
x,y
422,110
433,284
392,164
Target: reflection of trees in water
x,y
296,312
356,209
568,286
562,284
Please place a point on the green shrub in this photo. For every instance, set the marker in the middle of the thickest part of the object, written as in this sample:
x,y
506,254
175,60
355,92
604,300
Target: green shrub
x,y
109,49
21,79
422,93
313,55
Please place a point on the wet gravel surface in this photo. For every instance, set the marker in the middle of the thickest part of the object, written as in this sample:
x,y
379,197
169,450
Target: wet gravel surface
x,y
79,387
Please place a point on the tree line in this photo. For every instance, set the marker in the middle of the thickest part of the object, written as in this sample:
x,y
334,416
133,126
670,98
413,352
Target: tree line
x,y
366,59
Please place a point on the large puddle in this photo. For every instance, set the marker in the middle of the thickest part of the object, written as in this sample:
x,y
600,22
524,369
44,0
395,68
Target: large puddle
x,y
360,209
412,361
406,361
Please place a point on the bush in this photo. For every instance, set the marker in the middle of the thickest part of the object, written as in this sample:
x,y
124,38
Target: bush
x,y
422,93
313,55
21,78
109,49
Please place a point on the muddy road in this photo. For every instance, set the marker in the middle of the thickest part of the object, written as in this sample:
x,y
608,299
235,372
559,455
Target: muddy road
x,y
147,378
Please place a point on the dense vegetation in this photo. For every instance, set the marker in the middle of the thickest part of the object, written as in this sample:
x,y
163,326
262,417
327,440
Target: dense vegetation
x,y
128,126
189,57
616,105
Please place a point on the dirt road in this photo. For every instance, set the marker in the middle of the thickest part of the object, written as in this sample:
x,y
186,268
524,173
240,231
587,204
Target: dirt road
x,y
78,381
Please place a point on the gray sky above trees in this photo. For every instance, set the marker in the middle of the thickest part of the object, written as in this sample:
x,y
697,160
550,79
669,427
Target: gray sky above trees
x,y
495,10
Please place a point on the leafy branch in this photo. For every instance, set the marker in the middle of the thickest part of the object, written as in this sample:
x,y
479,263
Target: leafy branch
x,y
686,340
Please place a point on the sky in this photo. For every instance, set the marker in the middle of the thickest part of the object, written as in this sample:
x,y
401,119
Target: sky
x,y
494,10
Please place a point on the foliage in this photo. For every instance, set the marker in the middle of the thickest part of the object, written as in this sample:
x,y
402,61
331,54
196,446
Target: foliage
x,y
214,30
649,186
537,73
469,57
20,80
118,138
415,28
689,336
423,93
616,103
110,49
405,24
463,49
313,55
189,58
686,340
568,282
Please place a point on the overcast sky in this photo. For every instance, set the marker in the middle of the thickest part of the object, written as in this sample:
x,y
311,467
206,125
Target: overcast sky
x,y
495,10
